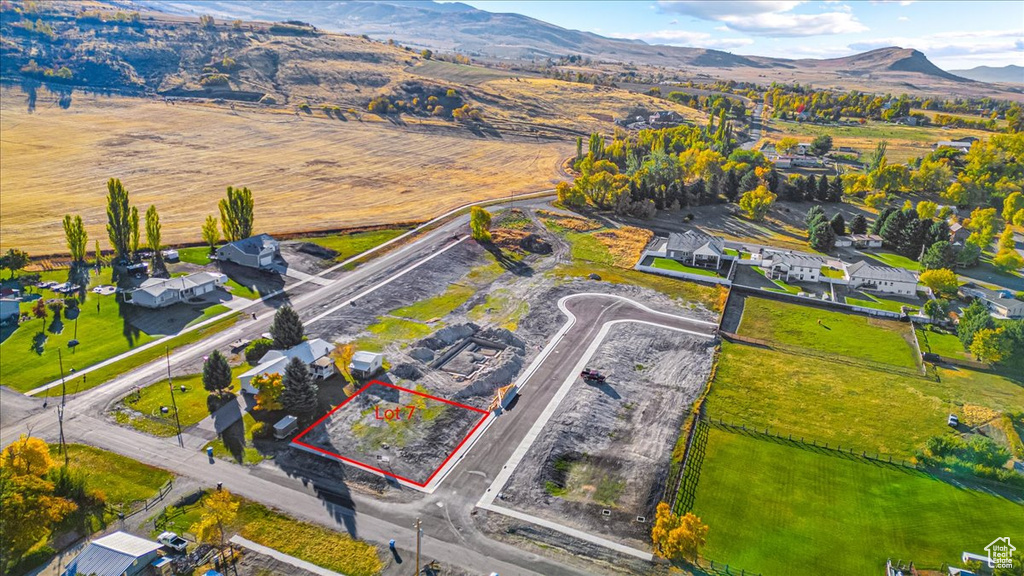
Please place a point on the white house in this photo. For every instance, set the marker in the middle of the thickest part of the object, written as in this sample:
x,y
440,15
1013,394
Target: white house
x,y
860,240
365,364
962,146
117,554
162,292
695,248
254,251
878,278
803,148
789,266
1000,303
312,352
9,311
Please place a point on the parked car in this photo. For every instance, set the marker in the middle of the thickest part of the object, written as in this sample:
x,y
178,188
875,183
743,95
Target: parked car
x,y
173,541
953,421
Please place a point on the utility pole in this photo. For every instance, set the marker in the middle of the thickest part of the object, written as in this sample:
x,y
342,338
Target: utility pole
x,y
174,405
60,407
419,531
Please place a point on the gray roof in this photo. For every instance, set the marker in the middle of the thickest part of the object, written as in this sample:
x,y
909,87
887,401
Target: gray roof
x,y
692,240
157,286
275,361
111,555
864,270
255,244
794,259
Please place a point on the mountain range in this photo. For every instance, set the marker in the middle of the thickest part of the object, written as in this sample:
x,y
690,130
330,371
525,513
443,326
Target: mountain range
x,y
1005,74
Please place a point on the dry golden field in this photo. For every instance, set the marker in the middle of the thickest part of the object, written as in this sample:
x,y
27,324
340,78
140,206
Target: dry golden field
x,y
307,172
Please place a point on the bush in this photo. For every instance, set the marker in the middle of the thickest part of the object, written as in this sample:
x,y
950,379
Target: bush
x,y
260,430
257,349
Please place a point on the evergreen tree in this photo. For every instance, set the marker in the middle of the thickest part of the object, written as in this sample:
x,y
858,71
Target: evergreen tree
x,y
731,186
813,214
822,237
287,329
749,181
823,188
773,181
883,216
859,224
974,318
810,188
711,188
838,224
893,229
937,232
914,240
835,190
300,393
216,372
938,256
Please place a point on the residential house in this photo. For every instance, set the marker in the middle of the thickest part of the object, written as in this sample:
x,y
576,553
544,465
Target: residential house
x,y
665,118
365,364
163,292
783,162
958,233
792,267
254,251
961,145
860,240
879,278
999,302
117,554
696,248
9,311
312,352
803,148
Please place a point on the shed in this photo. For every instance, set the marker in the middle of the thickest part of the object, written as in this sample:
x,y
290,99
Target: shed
x,y
118,554
285,427
366,364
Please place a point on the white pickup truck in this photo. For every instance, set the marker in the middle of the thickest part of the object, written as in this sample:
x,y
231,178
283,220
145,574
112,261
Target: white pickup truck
x,y
173,541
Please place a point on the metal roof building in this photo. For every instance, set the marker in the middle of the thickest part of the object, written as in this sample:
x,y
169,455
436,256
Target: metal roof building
x,y
118,554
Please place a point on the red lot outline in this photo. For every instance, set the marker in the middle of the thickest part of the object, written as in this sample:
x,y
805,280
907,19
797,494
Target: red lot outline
x,y
298,441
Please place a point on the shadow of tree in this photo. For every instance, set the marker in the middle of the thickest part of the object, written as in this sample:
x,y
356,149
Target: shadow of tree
x,y
56,325
38,342
234,440
508,263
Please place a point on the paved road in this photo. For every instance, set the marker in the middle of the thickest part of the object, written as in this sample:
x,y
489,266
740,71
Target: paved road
x,y
450,532
754,131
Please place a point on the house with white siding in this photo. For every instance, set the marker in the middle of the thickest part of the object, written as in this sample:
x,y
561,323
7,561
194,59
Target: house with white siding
x,y
312,352
792,267
255,251
880,278
163,292
696,248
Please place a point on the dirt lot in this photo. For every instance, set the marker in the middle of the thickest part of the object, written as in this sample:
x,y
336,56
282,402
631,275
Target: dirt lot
x,y
395,430
607,447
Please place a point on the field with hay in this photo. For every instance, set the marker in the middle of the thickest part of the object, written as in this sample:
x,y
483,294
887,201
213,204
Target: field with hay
x,y
307,172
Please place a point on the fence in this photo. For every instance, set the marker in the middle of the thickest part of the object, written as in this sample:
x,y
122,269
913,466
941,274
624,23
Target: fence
x,y
167,514
137,506
684,275
827,304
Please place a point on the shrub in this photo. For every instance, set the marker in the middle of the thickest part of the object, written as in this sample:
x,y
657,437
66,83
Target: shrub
x,y
257,349
260,430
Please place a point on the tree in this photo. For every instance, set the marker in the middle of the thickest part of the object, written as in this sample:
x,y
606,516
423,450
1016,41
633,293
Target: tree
x,y
216,372
786,145
823,237
569,195
1012,204
757,202
480,224
937,232
153,231
968,255
300,393
990,345
838,224
974,318
936,309
211,235
270,387
133,223
876,226
939,255
1008,260
927,209
983,226
28,456
426,54
1006,241
14,260
236,214
859,224
940,281
118,219
677,537
257,349
342,355
931,177
877,157
39,310
219,511
287,329
813,215
76,237
821,145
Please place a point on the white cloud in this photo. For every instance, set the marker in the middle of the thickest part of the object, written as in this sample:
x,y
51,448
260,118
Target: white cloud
x,y
903,19
687,38
769,17
959,49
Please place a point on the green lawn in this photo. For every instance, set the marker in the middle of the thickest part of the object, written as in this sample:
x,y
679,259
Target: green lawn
x,y
197,255
349,245
101,333
586,247
772,508
782,286
941,343
895,260
836,403
439,306
191,404
712,297
829,272
115,369
121,479
669,264
241,291
828,331
388,329
877,303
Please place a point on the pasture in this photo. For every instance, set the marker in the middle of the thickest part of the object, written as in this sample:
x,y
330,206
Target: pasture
x,y
828,332
307,172
772,506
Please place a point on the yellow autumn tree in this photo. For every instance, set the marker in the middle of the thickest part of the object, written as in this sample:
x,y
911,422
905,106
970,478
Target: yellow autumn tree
x,y
757,202
990,345
480,224
28,456
270,387
677,537
219,511
342,355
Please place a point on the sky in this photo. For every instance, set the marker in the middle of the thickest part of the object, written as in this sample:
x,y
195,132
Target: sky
x,y
953,34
